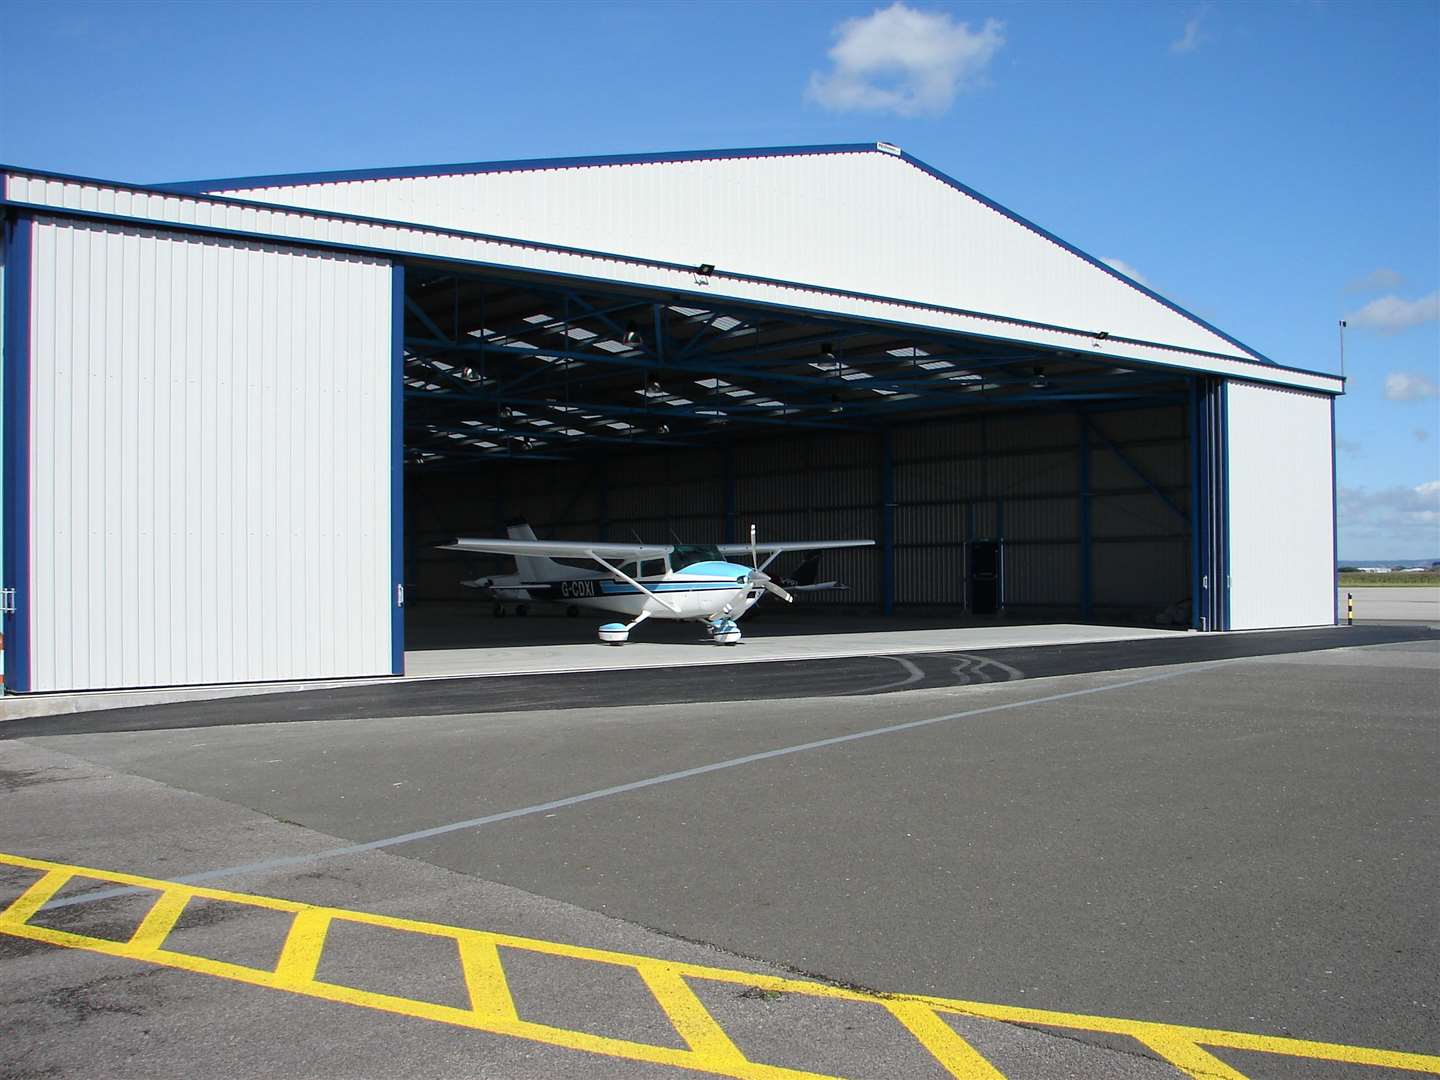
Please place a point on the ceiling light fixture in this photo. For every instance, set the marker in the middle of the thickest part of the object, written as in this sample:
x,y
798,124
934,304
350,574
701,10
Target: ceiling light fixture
x,y
632,335
1038,381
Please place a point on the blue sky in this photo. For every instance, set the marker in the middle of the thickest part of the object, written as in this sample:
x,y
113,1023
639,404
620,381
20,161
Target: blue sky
x,y
1273,167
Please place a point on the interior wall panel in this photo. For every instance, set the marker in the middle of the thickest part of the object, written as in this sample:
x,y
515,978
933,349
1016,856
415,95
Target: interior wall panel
x,y
210,461
1280,507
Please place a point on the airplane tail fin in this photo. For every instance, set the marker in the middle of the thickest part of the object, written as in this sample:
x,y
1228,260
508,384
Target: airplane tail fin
x,y
533,567
807,572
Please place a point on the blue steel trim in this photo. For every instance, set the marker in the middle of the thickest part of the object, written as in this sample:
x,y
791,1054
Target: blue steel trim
x,y
16,511
1334,513
603,497
1197,504
1000,555
887,522
398,253
1072,249
200,187
729,483
397,469
1087,584
1224,394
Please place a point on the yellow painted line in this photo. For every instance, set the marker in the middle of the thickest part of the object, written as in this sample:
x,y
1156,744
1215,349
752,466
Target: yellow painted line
x,y
689,1015
943,1041
710,1049
485,978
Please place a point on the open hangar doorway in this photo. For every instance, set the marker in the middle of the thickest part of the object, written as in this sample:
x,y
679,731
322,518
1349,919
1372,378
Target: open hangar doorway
x,y
607,413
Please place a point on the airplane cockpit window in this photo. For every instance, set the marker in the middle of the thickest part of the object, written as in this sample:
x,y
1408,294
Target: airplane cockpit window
x,y
689,554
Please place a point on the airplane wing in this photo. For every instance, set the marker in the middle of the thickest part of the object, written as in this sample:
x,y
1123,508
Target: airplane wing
x,y
560,549
794,545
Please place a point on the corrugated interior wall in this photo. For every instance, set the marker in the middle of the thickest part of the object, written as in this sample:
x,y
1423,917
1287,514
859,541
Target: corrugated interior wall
x,y
1281,508
210,461
1017,478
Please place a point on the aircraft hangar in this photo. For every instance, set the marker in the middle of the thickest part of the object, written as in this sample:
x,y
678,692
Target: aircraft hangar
x,y
240,415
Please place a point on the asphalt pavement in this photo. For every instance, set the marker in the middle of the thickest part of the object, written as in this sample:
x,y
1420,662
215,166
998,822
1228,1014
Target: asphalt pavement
x,y
1238,843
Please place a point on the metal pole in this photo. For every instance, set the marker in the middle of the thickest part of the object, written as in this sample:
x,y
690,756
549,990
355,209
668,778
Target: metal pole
x,y
1342,348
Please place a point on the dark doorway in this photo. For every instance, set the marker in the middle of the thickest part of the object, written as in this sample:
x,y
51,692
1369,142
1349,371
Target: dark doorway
x,y
985,573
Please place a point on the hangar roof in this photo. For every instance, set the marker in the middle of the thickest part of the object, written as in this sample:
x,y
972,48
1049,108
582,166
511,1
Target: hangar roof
x,y
872,198
864,218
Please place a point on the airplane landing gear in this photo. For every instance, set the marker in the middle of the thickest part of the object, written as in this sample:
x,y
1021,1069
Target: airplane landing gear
x,y
724,631
614,633
498,611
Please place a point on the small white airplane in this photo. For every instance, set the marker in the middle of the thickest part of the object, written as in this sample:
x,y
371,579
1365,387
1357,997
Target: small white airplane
x,y
643,581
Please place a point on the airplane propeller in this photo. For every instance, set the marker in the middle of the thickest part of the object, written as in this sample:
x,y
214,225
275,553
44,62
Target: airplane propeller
x,y
762,579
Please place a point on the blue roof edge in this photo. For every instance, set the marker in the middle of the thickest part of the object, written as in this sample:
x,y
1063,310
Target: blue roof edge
x,y
1091,259
205,187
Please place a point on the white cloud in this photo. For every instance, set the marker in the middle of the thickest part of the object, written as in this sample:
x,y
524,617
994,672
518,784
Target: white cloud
x,y
1128,270
1193,37
1422,435
1391,523
1391,314
1383,278
1348,446
1403,386
901,60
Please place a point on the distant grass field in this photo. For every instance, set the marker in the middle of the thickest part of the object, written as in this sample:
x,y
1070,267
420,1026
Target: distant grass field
x,y
1366,581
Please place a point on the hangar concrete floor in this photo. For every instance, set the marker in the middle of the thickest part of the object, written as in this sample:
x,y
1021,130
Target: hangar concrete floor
x,y
458,638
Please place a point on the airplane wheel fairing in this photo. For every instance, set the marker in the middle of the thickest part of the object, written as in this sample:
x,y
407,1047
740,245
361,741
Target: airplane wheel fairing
x,y
724,632
498,611
614,633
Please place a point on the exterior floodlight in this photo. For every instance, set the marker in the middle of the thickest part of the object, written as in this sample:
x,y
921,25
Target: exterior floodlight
x,y
1038,381
827,353
505,412
1102,335
836,405
705,269
470,375
632,336
663,429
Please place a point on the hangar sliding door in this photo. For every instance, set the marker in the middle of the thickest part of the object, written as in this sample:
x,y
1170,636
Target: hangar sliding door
x,y
203,492
1281,510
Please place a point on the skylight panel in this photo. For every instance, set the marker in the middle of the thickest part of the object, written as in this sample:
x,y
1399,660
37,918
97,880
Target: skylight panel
x,y
579,333
688,312
725,322
907,351
535,319
935,365
612,346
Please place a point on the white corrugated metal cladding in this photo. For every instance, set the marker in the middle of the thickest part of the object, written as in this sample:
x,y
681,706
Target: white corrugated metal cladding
x,y
1282,549
209,502
865,221
272,222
